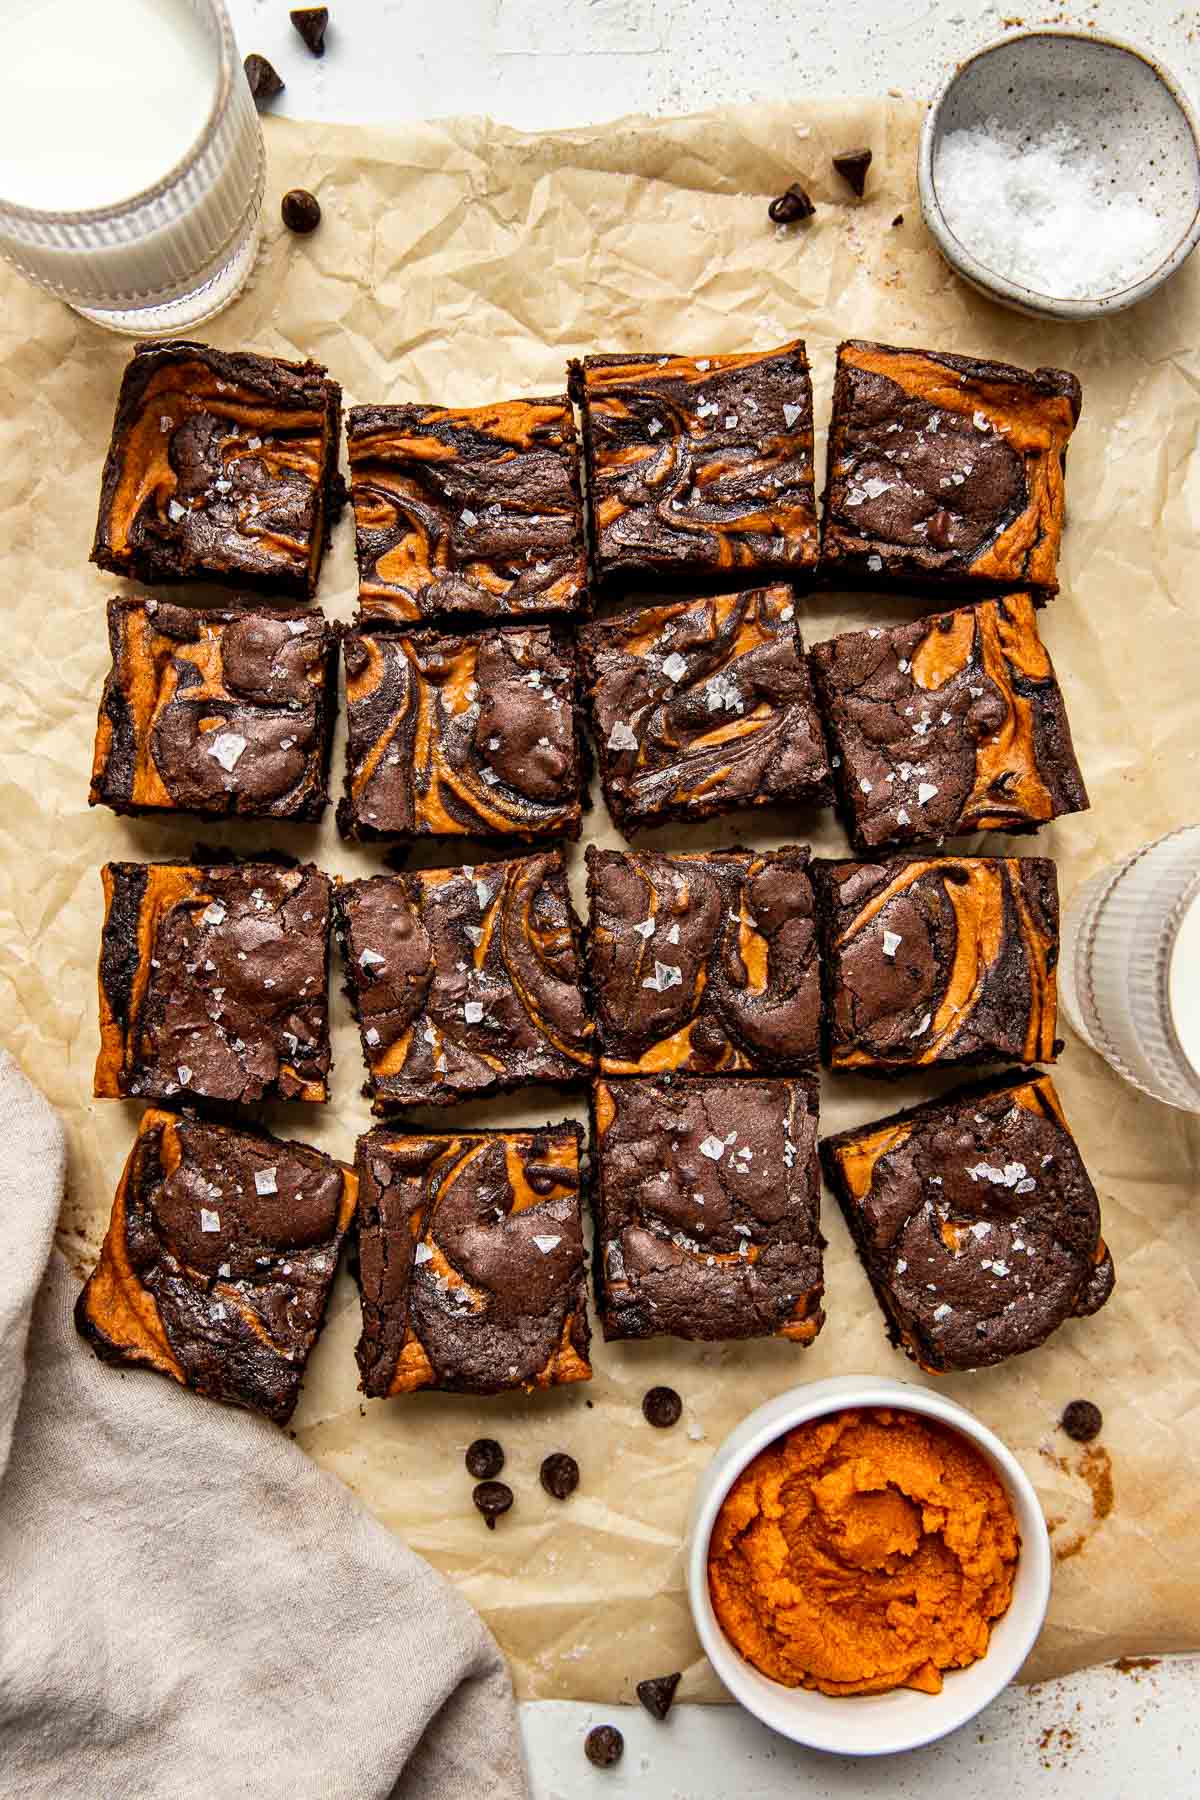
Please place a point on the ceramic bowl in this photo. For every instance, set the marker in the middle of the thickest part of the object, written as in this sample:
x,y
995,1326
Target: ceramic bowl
x,y
1126,107
870,1724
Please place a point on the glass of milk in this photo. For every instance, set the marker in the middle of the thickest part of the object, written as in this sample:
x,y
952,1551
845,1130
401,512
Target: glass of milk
x,y
1129,975
131,158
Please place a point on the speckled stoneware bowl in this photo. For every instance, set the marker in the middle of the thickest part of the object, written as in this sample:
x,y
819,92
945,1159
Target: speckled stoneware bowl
x,y
1124,104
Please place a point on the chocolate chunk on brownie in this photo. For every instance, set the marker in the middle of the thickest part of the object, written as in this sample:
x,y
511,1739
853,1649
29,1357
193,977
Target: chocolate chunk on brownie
x,y
702,706
945,469
471,1257
216,713
975,1221
214,983
467,510
952,724
222,467
218,1261
466,735
946,959
706,1198
465,981
699,467
704,962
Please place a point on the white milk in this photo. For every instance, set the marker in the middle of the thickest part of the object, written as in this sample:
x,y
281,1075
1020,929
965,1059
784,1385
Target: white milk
x,y
1183,984
101,98
100,101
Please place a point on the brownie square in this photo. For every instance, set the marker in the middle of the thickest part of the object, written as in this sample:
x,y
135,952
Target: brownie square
x,y
705,962
702,706
471,1261
945,469
948,959
699,468
465,982
218,1261
706,1196
952,724
467,510
222,467
216,713
462,735
975,1221
214,982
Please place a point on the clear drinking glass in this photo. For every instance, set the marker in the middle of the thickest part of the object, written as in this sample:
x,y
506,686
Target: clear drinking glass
x,y
1129,974
177,238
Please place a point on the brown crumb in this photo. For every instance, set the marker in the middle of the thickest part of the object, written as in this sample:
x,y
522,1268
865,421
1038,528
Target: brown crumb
x,y
1126,1665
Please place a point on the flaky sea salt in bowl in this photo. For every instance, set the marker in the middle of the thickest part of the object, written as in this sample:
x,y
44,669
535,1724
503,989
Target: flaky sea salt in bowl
x,y
1059,173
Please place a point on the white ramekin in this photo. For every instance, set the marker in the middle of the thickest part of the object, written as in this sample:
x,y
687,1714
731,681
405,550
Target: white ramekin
x,y
869,1724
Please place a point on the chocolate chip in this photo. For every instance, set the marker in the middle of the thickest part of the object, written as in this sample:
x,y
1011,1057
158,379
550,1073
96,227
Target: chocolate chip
x,y
791,207
898,220
310,22
603,1746
939,528
1082,1421
492,1498
560,1475
852,166
662,1407
301,210
265,81
485,1459
657,1694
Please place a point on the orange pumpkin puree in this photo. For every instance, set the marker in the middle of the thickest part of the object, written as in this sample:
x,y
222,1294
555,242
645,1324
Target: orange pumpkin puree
x,y
864,1551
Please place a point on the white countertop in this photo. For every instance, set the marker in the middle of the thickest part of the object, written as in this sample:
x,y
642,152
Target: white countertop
x,y
541,64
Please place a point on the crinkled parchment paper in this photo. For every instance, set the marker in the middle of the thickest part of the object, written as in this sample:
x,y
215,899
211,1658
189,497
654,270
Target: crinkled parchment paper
x,y
460,263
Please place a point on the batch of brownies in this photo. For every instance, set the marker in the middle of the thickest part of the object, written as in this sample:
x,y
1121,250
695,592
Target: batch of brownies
x,y
705,987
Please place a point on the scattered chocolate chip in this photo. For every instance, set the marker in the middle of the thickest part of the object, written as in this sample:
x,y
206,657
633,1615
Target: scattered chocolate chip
x,y
301,210
560,1475
603,1746
1082,1421
265,81
662,1407
492,1498
790,208
898,220
484,1459
310,22
852,166
939,528
657,1694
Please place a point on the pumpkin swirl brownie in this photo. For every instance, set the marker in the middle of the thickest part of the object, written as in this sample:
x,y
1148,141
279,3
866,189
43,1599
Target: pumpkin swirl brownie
x,y
945,469
701,706
214,982
705,962
975,1221
951,724
699,468
462,735
216,713
222,467
465,982
930,960
219,1259
706,1198
471,1261
467,510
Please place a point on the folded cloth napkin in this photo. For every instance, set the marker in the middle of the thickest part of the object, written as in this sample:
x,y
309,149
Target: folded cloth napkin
x,y
188,1606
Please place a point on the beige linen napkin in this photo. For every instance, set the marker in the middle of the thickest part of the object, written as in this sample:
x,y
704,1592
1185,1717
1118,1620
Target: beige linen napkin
x,y
189,1608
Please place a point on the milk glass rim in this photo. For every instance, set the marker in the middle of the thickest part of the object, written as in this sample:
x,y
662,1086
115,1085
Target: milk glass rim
x,y
1175,919
120,209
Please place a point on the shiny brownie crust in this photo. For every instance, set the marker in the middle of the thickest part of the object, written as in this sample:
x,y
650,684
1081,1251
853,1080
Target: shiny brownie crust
x,y
471,1261
975,1221
218,1261
222,467
216,713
